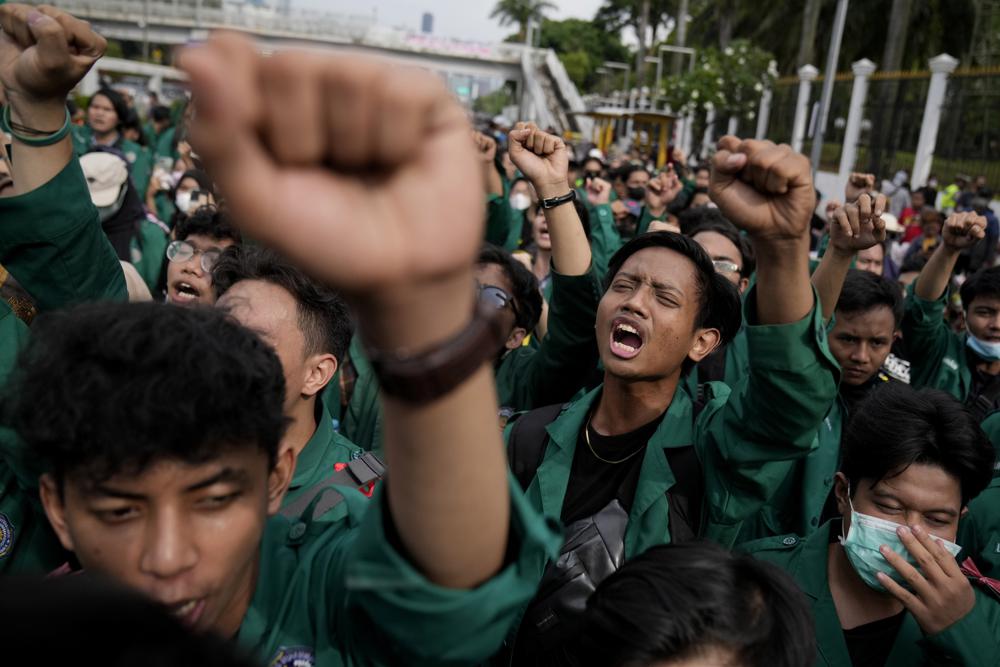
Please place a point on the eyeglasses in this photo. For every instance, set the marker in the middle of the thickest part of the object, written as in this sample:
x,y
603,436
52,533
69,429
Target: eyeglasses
x,y
723,266
182,251
494,296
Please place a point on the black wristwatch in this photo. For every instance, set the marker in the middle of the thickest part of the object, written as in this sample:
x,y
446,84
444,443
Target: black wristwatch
x,y
559,201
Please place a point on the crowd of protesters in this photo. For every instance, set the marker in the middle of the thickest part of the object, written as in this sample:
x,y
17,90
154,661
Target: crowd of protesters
x,y
329,377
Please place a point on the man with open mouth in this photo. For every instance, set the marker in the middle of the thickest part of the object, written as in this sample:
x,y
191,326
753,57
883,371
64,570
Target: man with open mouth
x,y
636,462
199,240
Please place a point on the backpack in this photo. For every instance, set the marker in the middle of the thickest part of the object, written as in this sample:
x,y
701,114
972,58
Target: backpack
x,y
360,473
594,545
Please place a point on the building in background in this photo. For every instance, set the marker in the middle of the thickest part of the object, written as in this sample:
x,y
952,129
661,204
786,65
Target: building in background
x,y
427,23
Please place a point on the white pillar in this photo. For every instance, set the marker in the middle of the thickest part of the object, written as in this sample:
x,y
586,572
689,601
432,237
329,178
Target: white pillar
x,y
807,74
733,126
763,113
687,140
707,145
941,67
849,151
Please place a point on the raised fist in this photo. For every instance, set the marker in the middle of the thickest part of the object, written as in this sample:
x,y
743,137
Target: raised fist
x,y
598,191
44,53
858,226
663,189
541,157
763,188
858,184
963,230
487,147
360,171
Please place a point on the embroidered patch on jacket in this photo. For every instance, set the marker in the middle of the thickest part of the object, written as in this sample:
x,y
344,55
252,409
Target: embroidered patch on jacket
x,y
293,656
6,535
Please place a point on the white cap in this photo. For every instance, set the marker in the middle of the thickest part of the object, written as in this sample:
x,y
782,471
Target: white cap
x,y
105,173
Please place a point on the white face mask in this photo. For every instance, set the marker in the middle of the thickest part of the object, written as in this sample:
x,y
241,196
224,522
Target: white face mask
x,y
520,201
183,201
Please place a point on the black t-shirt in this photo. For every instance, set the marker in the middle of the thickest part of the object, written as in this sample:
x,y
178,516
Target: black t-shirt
x,y
869,645
594,483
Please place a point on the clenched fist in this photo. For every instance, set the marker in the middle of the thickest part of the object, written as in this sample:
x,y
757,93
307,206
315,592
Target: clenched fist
x,y
963,230
541,157
763,188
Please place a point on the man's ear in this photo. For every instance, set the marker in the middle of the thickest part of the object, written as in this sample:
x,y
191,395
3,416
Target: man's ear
x,y
320,369
279,479
55,510
897,335
744,284
516,338
706,340
842,493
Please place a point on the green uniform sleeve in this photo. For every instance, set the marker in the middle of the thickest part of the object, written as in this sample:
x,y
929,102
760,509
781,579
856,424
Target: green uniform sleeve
x,y
605,240
927,335
51,241
749,443
148,249
979,530
503,226
141,167
400,618
564,359
972,640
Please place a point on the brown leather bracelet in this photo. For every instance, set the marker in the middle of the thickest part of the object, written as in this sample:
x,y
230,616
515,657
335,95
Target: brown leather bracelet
x,y
429,375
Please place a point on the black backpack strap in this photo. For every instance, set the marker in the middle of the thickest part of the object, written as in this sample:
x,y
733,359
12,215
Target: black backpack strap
x,y
359,472
686,496
981,404
527,442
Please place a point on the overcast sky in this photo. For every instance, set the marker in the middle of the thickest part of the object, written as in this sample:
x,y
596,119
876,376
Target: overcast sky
x,y
460,19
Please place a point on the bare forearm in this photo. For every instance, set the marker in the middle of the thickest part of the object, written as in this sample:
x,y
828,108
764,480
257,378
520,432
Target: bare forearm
x,y
933,280
494,185
828,279
570,247
455,531
783,280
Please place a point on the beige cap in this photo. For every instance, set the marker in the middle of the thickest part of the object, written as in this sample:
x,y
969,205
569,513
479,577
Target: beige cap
x,y
892,223
105,173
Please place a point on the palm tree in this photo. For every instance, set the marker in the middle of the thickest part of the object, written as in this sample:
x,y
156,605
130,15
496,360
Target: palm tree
x,y
521,12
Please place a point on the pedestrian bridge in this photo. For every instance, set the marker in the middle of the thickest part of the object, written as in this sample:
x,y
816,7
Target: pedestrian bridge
x,y
545,91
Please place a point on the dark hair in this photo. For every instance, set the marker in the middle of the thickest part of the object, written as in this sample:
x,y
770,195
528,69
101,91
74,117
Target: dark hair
x,y
676,600
526,294
159,113
207,221
864,291
323,316
897,426
85,611
914,263
716,222
112,388
982,283
131,122
719,303
117,101
627,170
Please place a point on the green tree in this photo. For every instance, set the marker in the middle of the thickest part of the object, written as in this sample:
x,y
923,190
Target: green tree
x,y
520,12
582,47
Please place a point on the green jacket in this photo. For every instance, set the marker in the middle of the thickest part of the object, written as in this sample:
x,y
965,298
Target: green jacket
x,y
140,159
315,463
51,241
337,592
979,530
974,640
939,358
526,378
503,224
163,148
747,438
605,240
147,251
737,364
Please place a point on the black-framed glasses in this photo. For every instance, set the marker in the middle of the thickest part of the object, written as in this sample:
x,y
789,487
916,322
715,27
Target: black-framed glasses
x,y
182,251
724,266
495,296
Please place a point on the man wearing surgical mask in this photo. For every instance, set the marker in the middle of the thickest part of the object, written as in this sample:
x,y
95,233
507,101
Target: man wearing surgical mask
x,y
965,365
883,580
115,197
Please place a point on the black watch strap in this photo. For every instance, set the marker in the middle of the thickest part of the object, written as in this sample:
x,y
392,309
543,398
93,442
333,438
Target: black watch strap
x,y
552,202
426,376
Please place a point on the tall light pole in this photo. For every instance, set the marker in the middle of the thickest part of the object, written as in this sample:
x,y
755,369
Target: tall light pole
x,y
659,65
611,64
833,53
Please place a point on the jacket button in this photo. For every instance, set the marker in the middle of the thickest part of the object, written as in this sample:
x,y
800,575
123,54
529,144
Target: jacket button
x,y
789,541
297,531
